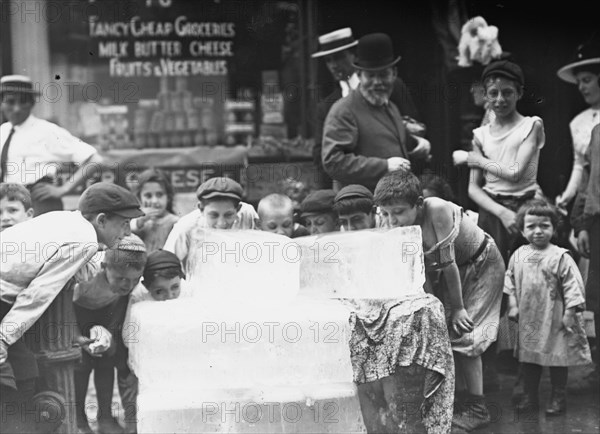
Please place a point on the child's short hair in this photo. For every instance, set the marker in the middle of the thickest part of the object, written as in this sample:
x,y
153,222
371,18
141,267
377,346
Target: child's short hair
x,y
539,208
160,177
398,185
161,263
274,200
438,185
353,198
129,253
17,192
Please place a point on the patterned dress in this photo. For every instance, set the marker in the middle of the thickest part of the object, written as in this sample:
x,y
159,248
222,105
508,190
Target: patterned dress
x,y
545,283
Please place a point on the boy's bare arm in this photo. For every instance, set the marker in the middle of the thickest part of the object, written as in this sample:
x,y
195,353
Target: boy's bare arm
x,y
485,202
523,164
442,219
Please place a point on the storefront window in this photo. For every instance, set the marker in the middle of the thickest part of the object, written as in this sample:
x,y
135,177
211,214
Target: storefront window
x,y
174,73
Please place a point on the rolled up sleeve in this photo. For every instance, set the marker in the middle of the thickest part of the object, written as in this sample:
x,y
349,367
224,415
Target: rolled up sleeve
x,y
33,301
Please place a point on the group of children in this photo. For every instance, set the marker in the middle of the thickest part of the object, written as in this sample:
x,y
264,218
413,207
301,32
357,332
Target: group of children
x,y
470,262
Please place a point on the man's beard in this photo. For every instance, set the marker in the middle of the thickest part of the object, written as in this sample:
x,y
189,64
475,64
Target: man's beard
x,y
375,98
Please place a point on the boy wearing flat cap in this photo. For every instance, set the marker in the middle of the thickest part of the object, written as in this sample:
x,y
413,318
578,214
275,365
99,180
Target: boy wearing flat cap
x,y
220,206
39,256
161,281
355,208
101,302
317,212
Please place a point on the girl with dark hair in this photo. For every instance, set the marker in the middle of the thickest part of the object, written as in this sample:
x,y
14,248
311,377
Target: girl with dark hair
x,y
155,193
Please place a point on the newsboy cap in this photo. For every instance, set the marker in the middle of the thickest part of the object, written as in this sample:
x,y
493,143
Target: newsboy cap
x,y
220,187
109,198
504,68
317,202
162,260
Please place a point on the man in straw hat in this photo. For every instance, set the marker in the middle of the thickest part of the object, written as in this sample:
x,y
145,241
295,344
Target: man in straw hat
x,y
337,49
32,148
364,135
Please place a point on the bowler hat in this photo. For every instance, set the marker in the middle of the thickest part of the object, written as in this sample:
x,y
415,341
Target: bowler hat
x,y
109,198
504,68
586,54
17,84
317,202
374,52
220,187
333,42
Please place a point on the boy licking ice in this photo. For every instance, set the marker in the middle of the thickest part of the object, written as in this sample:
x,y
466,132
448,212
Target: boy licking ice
x,y
472,276
317,212
276,215
161,281
220,203
220,187
355,208
101,302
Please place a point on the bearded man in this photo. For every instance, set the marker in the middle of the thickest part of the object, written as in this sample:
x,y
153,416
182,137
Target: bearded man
x,y
364,136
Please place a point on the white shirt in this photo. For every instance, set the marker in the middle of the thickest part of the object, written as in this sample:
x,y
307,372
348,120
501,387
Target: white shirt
x,y
37,259
581,132
246,219
351,84
37,146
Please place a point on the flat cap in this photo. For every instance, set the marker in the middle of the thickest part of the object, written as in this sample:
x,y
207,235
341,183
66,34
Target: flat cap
x,y
504,68
162,260
317,202
108,197
353,191
220,187
131,243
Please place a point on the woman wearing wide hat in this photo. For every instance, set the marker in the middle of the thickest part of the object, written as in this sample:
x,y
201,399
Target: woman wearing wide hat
x,y
584,71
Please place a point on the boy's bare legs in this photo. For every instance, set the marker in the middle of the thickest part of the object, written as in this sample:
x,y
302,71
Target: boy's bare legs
x,y
82,378
472,371
474,410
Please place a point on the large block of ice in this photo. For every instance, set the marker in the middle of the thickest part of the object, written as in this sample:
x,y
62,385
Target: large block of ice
x,y
198,363
364,264
254,344
242,264
260,347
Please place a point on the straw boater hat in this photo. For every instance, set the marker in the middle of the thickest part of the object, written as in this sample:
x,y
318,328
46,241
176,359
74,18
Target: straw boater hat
x,y
587,54
17,84
375,52
333,42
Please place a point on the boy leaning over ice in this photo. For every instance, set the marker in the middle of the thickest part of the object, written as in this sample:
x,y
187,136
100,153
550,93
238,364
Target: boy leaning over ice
x,y
100,304
38,258
220,207
161,281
